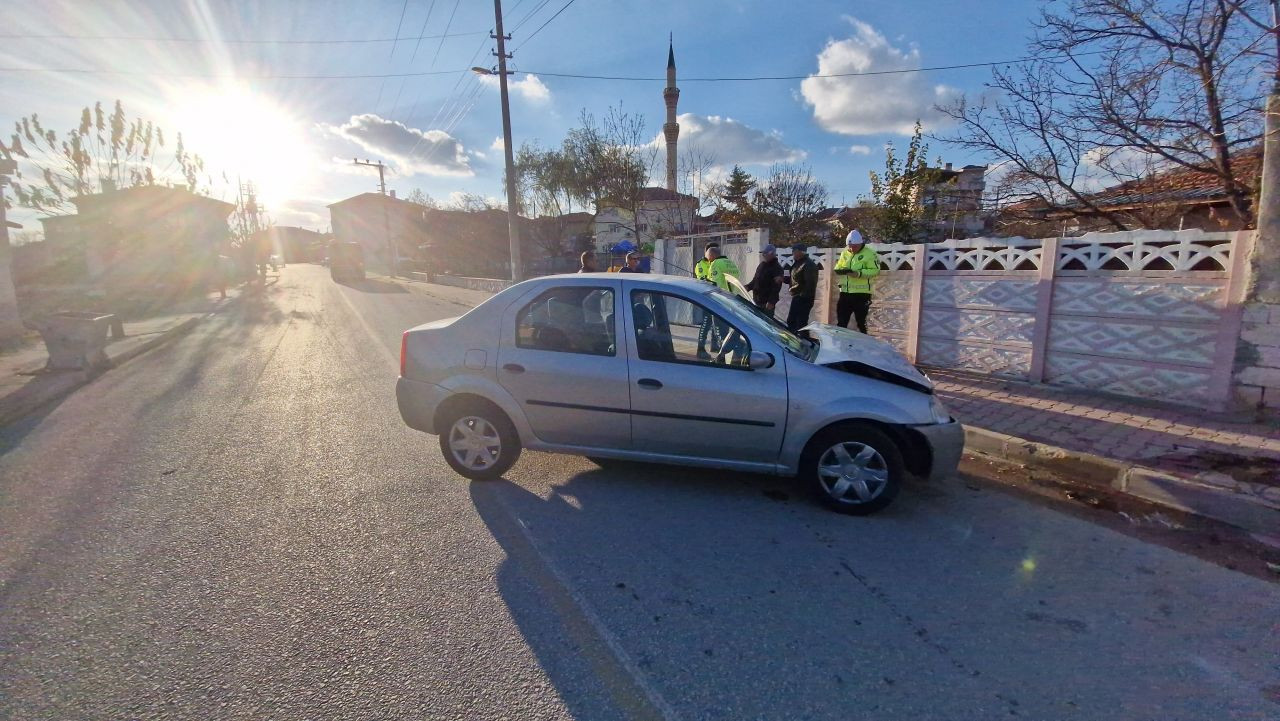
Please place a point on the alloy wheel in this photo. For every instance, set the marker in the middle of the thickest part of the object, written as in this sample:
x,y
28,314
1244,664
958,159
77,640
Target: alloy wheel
x,y
475,443
853,473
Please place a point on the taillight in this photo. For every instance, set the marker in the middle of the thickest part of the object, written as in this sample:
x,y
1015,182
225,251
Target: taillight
x,y
404,351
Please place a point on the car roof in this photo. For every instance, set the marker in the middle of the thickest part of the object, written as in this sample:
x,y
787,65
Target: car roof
x,y
679,281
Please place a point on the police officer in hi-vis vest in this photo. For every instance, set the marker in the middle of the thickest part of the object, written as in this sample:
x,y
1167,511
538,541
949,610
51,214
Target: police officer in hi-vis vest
x,y
857,265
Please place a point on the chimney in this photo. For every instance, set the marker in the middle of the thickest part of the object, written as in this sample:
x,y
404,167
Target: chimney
x,y
393,193
948,166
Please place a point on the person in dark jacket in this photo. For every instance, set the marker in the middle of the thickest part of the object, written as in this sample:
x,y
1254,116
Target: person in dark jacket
x,y
587,262
804,288
632,264
766,284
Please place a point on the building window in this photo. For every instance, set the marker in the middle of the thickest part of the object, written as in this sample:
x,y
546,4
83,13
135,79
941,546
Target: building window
x,y
644,226
614,227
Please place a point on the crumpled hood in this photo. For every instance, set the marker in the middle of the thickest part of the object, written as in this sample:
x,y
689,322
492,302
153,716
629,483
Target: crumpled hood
x,y
840,345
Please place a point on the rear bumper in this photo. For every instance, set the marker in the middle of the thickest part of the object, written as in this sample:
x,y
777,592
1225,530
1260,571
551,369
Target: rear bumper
x,y
418,402
946,446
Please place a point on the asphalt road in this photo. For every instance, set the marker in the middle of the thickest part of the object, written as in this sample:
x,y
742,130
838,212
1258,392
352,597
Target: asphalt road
x,y
238,526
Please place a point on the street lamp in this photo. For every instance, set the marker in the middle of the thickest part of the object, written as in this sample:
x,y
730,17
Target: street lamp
x,y
513,228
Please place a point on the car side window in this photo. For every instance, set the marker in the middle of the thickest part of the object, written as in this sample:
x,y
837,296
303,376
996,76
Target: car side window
x,y
569,319
672,329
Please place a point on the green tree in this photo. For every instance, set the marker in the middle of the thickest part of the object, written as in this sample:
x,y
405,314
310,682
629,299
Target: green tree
x,y
547,189
900,216
101,149
737,188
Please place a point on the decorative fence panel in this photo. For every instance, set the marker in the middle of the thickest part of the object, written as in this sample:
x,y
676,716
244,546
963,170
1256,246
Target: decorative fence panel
x,y
1146,313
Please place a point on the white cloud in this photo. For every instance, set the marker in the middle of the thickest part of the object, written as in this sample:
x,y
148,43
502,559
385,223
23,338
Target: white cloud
x,y
860,150
498,145
730,142
531,87
869,105
410,151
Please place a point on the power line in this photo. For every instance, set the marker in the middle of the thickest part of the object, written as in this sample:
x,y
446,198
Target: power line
x,y
446,30
430,9
540,27
227,76
403,9
537,8
869,73
238,41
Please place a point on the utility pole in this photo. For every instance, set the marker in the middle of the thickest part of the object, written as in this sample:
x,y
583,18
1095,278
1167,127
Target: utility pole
x,y
10,321
392,256
1267,250
513,224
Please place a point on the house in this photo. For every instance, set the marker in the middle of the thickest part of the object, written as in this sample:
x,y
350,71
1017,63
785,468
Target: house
x,y
658,214
953,202
145,236
375,221
1176,199
468,243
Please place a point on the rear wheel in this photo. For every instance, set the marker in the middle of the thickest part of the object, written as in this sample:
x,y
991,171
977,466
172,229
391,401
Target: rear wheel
x,y
853,468
479,442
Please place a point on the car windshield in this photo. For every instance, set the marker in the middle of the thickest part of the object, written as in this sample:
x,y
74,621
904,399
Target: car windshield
x,y
749,314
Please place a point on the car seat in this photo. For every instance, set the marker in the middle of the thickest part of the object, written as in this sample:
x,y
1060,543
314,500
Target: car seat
x,y
651,343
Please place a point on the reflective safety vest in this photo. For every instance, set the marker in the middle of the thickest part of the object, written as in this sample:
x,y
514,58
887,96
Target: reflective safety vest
x,y
702,271
866,262
720,267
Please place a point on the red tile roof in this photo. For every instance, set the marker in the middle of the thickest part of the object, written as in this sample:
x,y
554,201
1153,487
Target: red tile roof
x,y
1181,185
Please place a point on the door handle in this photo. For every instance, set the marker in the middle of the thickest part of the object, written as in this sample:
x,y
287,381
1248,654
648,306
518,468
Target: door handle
x,y
513,368
649,383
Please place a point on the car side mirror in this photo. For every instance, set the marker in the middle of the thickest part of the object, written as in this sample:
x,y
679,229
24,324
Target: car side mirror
x,y
759,360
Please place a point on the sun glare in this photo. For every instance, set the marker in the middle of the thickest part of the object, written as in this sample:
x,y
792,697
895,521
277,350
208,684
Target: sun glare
x,y
246,136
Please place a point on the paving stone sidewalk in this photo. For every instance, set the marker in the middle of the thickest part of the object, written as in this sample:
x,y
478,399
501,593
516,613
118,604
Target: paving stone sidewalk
x,y
1179,440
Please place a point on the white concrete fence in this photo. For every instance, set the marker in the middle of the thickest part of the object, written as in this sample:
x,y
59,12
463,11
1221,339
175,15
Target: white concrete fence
x,y
1154,314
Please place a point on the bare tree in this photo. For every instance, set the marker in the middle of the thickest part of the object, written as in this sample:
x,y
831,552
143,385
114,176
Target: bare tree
x,y
471,203
789,200
418,197
1118,90
610,159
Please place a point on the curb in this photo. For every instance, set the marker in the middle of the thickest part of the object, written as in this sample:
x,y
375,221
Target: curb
x,y
70,382
1244,505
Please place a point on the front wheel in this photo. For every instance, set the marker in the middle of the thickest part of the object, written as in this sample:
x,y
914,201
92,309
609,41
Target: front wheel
x,y
853,468
480,443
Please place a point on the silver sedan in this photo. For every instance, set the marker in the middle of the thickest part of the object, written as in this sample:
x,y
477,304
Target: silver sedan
x,y
662,369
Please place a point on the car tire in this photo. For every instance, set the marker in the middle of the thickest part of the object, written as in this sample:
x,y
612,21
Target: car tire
x,y
479,442
853,468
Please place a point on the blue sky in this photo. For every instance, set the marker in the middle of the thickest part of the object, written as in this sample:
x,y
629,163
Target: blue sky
x,y
295,137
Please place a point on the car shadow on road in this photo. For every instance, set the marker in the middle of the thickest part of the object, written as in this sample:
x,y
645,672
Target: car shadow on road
x,y
608,547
